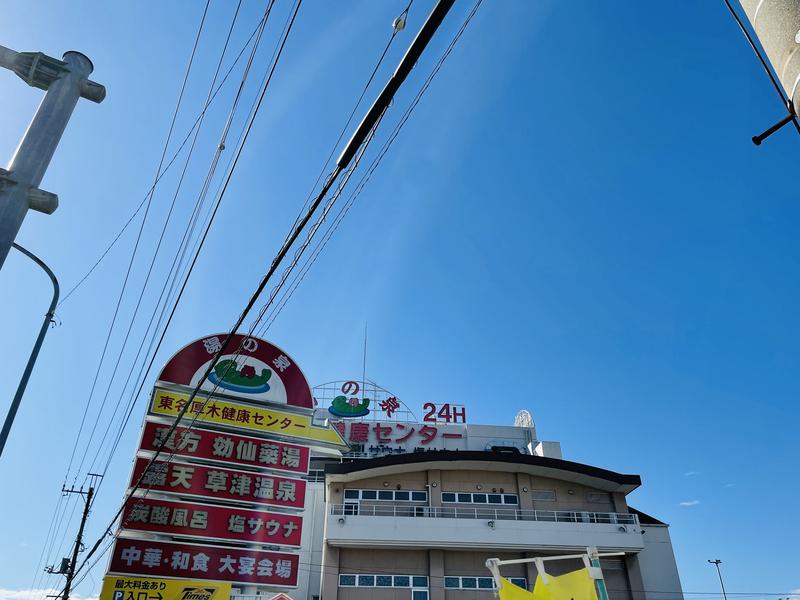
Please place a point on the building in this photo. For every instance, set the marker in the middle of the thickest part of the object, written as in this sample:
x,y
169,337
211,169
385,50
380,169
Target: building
x,y
401,518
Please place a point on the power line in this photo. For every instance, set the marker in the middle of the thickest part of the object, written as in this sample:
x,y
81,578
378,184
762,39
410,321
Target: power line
x,y
395,30
231,167
365,178
172,160
127,334
227,181
148,198
172,276
139,235
360,138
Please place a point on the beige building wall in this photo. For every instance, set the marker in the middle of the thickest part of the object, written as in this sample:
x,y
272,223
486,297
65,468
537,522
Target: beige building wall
x,y
621,574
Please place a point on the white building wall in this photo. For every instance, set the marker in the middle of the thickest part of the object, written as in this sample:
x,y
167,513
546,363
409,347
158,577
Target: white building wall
x,y
657,565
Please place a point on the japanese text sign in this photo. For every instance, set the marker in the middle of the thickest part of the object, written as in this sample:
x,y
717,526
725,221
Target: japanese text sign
x,y
117,587
219,483
195,561
249,367
244,416
226,447
209,521
378,438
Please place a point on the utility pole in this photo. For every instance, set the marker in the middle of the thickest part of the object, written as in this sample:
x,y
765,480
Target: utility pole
x,y
719,573
48,318
65,81
68,565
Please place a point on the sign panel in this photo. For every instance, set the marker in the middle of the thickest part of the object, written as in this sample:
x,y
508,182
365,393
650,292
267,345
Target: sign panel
x,y
212,522
196,561
117,587
245,417
250,367
220,483
226,447
379,438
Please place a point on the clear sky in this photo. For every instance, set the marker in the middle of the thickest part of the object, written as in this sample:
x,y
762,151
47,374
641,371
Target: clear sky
x,y
575,205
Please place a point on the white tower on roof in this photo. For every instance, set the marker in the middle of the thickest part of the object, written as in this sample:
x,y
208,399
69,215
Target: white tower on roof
x,y
523,419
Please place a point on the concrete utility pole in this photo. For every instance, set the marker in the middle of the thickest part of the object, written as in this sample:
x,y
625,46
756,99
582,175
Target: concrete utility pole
x,y
68,565
65,81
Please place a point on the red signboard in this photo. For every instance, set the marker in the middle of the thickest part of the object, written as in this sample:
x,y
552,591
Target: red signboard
x,y
226,447
212,522
196,561
249,368
219,483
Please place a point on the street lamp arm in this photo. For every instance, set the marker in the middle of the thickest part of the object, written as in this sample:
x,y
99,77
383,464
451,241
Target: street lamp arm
x,y
39,70
23,383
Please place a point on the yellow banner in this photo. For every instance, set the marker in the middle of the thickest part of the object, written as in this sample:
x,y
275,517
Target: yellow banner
x,y
577,585
118,587
243,416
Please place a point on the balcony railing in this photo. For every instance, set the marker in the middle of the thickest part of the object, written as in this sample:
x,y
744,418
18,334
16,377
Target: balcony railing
x,y
500,514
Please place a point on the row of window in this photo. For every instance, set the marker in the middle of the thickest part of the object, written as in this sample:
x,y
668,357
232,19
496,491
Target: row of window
x,y
421,581
479,583
397,581
467,498
463,497
391,495
550,496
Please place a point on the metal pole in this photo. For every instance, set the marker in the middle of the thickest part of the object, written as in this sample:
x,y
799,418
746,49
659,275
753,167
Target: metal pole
x,y
65,81
12,411
78,542
717,562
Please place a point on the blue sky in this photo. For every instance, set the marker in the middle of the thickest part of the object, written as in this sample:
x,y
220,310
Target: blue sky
x,y
575,204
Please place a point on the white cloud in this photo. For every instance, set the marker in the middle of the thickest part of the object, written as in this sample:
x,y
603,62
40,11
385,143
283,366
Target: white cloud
x,y
37,594
729,485
686,503
691,473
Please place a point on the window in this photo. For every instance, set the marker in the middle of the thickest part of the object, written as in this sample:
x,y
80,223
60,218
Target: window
x,y
388,495
466,498
544,495
485,583
419,595
599,497
417,582
315,476
479,583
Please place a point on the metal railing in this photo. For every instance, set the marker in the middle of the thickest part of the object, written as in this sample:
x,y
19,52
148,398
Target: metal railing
x,y
499,514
